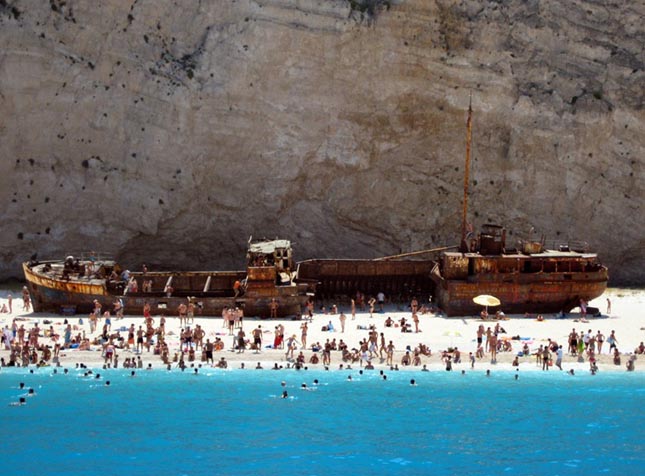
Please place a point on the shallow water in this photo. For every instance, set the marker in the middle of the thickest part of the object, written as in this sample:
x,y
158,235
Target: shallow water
x,y
234,422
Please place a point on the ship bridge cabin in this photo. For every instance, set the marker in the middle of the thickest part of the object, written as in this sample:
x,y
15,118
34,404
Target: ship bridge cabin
x,y
270,261
488,254
462,265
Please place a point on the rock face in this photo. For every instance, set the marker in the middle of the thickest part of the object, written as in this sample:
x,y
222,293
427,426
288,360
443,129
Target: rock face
x,y
168,132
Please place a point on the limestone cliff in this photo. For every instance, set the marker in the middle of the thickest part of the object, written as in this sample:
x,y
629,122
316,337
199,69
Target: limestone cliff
x,y
168,132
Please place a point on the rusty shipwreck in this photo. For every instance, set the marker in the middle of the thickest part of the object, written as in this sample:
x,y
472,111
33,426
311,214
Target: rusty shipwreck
x,y
530,277
74,284
533,277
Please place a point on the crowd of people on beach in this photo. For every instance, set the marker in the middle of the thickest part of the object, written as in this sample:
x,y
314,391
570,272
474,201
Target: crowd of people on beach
x,y
43,346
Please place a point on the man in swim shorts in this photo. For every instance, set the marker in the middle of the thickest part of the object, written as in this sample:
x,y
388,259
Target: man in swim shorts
x,y
257,339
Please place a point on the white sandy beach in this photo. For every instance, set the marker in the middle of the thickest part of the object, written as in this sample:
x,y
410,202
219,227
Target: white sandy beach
x,y
438,333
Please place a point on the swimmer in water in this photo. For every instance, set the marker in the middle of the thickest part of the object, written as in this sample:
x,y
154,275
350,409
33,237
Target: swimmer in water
x,y
31,392
19,403
413,382
487,373
285,394
107,383
349,377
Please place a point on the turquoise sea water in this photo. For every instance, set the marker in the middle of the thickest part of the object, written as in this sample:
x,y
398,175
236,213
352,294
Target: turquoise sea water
x,y
234,422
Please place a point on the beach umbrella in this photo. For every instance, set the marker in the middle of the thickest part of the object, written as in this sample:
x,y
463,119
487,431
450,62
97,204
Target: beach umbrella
x,y
486,300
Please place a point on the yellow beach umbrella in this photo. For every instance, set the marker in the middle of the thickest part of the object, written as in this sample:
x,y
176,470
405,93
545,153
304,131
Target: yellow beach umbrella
x,y
486,300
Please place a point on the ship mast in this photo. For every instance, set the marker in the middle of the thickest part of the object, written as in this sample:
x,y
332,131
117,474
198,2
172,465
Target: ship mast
x,y
464,220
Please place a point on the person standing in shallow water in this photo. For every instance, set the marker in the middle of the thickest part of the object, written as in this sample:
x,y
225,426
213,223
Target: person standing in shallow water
x,y
546,356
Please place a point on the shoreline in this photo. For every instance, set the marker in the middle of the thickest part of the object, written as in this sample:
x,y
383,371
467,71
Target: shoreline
x,y
437,333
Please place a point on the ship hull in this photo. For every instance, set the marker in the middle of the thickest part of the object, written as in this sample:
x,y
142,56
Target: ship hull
x,y
519,294
75,296
398,279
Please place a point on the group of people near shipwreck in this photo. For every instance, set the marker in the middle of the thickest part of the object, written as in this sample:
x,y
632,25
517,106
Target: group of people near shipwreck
x,y
42,346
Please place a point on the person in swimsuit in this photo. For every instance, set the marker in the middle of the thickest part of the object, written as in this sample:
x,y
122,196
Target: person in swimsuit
x,y
241,343
257,339
130,341
303,335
